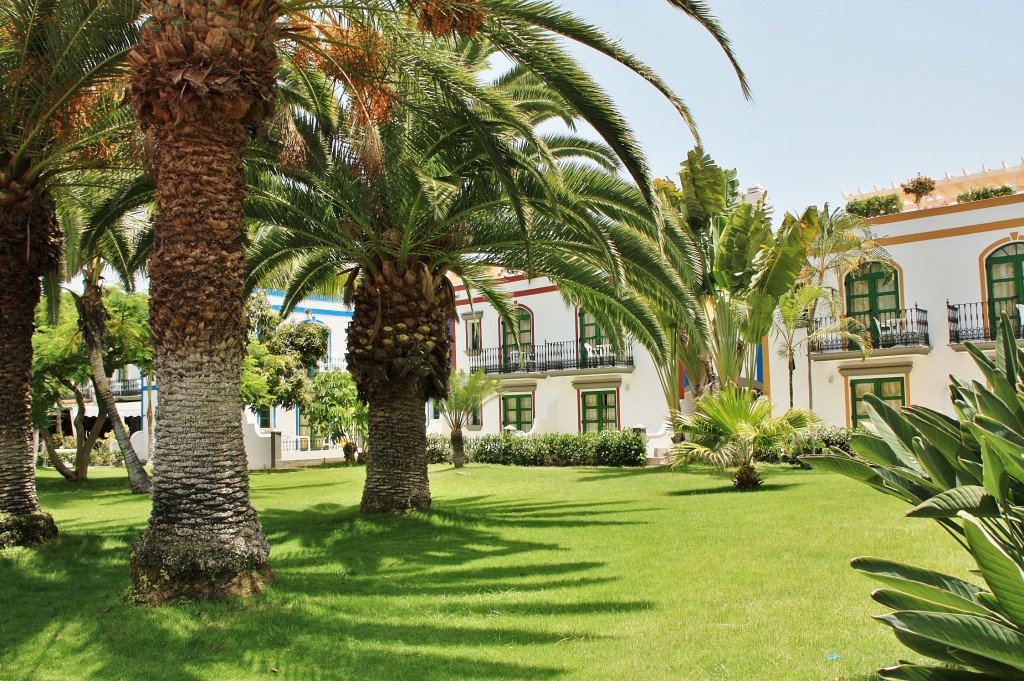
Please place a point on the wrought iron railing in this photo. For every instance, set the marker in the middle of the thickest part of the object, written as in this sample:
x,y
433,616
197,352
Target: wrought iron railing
x,y
563,355
895,329
129,388
977,322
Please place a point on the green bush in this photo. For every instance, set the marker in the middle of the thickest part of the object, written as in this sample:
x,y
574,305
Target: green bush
x,y
981,193
967,473
875,206
608,448
439,449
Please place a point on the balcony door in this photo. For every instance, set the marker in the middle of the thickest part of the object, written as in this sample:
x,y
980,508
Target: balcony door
x,y
592,344
873,300
517,343
1005,270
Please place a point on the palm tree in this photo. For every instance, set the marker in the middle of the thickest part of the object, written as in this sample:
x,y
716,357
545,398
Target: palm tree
x,y
731,426
88,255
56,61
737,266
794,315
203,77
466,395
395,209
843,243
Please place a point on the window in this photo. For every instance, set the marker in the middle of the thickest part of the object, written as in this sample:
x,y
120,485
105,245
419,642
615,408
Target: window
x,y
476,418
1005,270
599,411
892,391
263,417
873,298
517,410
513,339
474,338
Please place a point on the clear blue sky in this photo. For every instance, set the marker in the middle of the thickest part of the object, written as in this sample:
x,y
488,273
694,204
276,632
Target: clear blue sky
x,y
846,94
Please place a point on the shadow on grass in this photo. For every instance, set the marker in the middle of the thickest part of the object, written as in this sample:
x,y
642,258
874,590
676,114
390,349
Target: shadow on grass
x,y
767,487
441,595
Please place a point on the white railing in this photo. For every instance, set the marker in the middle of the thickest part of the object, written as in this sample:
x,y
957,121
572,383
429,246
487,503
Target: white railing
x,y
305,443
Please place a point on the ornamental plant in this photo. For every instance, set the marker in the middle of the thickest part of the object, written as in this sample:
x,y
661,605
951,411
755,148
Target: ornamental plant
x,y
980,193
967,473
918,187
889,204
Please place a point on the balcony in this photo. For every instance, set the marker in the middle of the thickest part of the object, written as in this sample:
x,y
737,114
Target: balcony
x,y
547,357
888,330
976,322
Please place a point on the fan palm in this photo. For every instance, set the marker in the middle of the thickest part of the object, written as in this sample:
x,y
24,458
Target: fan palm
x,y
730,426
404,205
57,59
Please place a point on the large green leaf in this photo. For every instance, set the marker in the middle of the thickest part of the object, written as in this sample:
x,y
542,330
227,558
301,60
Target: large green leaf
x,y
873,449
970,498
897,575
896,599
1001,572
912,672
976,635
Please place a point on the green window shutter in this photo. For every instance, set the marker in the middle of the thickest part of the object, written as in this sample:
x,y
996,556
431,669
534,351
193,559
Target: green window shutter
x,y
517,410
598,411
893,392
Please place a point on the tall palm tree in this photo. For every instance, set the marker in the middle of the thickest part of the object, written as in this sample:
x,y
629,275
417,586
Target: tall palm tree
x,y
56,59
404,205
843,243
114,249
202,78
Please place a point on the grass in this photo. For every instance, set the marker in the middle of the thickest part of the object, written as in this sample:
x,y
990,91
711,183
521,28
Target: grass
x,y
515,574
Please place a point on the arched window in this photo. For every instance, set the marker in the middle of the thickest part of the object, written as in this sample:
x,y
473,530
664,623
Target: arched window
x,y
873,297
1004,269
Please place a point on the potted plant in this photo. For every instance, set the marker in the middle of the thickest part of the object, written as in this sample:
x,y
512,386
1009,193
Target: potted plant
x,y
918,187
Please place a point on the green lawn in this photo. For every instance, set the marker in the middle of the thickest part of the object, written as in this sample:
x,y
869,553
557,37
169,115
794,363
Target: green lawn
x,y
516,573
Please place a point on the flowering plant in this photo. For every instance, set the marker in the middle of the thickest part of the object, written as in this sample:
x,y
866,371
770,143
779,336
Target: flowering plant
x,y
918,187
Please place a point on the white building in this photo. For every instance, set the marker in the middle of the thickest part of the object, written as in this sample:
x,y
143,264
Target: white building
x,y
558,371
956,268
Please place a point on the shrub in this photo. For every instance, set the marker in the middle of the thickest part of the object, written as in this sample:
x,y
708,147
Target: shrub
x,y
967,473
439,449
106,452
981,193
889,204
609,448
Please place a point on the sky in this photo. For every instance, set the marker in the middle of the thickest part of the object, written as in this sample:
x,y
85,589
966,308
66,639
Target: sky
x,y
846,94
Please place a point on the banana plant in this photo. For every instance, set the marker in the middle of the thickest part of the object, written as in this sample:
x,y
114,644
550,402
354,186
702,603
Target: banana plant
x,y
967,473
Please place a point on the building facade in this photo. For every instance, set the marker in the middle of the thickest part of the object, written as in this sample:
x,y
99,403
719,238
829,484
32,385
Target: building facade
x,y
956,267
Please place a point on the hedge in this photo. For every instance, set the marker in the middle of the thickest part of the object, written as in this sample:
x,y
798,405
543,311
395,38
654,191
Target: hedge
x,y
608,448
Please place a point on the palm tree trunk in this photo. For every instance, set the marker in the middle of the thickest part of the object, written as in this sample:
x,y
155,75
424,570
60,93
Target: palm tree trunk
x,y
22,261
92,320
202,76
204,539
396,469
458,448
400,357
791,365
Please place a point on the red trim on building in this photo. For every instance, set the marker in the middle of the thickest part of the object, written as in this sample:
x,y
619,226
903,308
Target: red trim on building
x,y
515,294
